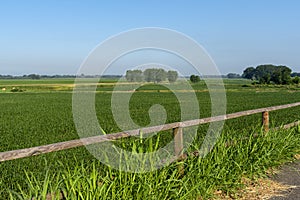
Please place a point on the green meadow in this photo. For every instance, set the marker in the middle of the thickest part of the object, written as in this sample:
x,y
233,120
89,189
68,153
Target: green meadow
x,y
40,113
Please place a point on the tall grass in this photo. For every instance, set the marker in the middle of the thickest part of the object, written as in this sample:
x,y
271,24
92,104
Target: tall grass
x,y
222,169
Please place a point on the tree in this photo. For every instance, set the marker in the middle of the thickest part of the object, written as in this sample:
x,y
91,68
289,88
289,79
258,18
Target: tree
x,y
265,79
276,77
155,75
233,75
194,78
148,75
249,73
160,75
296,80
34,76
269,73
172,76
285,75
294,74
134,75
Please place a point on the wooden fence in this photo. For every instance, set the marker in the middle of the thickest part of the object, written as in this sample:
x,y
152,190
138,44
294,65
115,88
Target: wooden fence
x,y
177,128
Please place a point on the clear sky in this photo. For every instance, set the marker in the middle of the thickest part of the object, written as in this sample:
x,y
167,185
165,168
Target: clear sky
x,y
54,36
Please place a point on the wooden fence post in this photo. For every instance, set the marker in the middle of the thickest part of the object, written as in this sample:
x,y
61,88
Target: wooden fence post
x,y
265,121
178,147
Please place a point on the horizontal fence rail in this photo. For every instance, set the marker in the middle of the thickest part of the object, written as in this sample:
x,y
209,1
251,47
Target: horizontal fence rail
x,y
177,130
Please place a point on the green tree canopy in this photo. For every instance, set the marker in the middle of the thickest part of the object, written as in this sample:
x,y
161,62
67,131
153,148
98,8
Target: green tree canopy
x,y
172,76
134,75
294,74
195,78
233,75
249,73
269,73
155,75
34,76
296,80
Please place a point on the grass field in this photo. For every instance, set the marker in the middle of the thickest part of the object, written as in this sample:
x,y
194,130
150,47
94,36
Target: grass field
x,y
42,114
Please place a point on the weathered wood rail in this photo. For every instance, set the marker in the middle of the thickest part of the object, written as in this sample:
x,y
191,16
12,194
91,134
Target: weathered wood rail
x,y
177,128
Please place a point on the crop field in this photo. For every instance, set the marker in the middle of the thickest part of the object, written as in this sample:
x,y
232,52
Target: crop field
x,y
40,112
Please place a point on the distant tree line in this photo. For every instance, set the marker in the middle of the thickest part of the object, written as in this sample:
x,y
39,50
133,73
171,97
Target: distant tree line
x,y
30,76
233,75
154,75
266,74
295,74
37,76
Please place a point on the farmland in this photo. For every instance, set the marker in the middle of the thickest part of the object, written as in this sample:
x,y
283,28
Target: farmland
x,y
42,114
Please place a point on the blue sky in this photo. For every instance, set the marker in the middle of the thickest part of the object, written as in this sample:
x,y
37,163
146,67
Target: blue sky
x,y
54,37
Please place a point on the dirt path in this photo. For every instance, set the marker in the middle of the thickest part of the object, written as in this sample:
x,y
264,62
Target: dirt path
x,y
289,175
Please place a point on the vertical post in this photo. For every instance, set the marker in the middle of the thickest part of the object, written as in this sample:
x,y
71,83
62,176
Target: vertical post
x,y
178,147
265,121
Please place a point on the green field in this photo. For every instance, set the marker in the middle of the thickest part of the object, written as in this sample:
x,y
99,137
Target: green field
x,y
42,114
